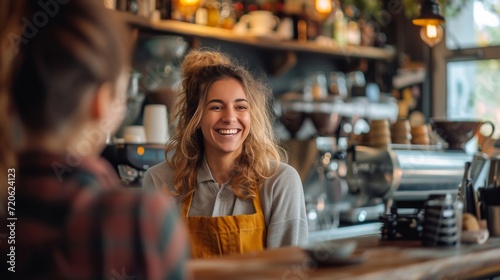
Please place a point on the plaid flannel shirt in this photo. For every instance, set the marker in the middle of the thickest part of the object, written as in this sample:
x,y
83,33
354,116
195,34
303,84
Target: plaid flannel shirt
x,y
74,221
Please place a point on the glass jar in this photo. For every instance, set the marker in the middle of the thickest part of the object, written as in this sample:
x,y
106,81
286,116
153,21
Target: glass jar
x,y
318,85
338,84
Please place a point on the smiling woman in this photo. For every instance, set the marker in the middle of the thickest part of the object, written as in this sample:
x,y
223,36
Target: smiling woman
x,y
225,167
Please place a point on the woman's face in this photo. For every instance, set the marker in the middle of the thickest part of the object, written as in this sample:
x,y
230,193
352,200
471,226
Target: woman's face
x,y
225,121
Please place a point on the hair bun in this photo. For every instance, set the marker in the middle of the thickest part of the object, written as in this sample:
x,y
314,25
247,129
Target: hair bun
x,y
197,59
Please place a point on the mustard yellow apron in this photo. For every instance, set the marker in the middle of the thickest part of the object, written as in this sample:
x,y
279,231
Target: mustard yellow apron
x,y
225,235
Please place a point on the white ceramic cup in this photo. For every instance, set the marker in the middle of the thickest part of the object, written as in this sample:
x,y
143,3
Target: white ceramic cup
x,y
134,134
261,22
156,123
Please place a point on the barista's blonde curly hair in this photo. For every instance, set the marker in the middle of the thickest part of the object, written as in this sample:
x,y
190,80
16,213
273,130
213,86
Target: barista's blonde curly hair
x,y
260,154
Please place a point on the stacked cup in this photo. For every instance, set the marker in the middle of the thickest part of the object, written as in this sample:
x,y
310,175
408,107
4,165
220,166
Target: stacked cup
x,y
380,134
134,134
420,134
155,123
400,132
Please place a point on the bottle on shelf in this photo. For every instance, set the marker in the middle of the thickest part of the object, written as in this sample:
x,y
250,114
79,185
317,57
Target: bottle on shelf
x,y
340,28
227,17
212,7
318,85
338,84
353,33
293,10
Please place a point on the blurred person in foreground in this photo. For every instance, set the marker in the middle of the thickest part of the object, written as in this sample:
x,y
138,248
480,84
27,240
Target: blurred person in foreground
x,y
74,219
10,12
224,165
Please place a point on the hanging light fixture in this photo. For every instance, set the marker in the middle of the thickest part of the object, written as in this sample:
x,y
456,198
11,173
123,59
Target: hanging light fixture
x,y
430,20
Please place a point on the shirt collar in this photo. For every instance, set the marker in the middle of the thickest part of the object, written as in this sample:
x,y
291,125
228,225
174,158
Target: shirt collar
x,y
204,173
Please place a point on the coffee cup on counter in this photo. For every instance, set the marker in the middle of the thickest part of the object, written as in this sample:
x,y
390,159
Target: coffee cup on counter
x,y
134,134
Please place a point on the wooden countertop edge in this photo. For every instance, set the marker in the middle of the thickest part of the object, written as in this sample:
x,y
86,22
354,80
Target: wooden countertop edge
x,y
384,260
471,266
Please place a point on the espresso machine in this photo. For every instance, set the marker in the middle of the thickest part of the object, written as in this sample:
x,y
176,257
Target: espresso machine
x,y
405,176
131,161
403,179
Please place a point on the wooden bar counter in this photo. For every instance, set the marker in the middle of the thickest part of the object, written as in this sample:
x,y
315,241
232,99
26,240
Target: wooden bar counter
x,y
386,260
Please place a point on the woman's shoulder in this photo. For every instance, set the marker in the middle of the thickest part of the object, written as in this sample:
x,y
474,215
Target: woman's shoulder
x,y
285,176
159,169
285,182
284,169
158,176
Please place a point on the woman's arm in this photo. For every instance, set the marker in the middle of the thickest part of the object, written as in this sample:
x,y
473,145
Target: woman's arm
x,y
288,224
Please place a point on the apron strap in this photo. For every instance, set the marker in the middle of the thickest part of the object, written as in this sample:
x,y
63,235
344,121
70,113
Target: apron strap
x,y
256,203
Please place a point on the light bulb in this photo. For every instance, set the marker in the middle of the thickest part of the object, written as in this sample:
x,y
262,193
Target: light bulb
x,y
431,34
187,8
323,6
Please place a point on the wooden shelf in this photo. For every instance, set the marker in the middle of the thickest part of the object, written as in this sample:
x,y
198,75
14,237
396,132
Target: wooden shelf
x,y
200,31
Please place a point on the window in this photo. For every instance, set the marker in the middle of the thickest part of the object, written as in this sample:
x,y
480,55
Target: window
x,y
484,30
473,63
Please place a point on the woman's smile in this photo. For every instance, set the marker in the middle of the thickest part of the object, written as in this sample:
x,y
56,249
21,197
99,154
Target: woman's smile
x,y
228,132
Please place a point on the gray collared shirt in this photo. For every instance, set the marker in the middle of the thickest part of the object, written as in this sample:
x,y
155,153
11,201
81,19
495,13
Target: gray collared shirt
x,y
282,199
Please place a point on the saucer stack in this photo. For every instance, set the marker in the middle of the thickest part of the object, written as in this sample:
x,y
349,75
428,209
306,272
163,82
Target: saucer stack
x,y
380,134
401,132
420,135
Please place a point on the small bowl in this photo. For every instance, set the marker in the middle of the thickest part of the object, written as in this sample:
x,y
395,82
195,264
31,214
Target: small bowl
x,y
455,133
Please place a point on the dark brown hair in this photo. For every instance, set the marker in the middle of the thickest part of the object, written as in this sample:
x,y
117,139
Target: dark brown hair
x,y
81,46
10,12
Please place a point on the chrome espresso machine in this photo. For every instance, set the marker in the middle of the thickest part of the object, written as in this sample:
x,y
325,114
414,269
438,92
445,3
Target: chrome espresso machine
x,y
404,179
356,184
406,175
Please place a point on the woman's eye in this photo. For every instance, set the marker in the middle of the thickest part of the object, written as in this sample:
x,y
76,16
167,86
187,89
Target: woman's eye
x,y
241,107
216,108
